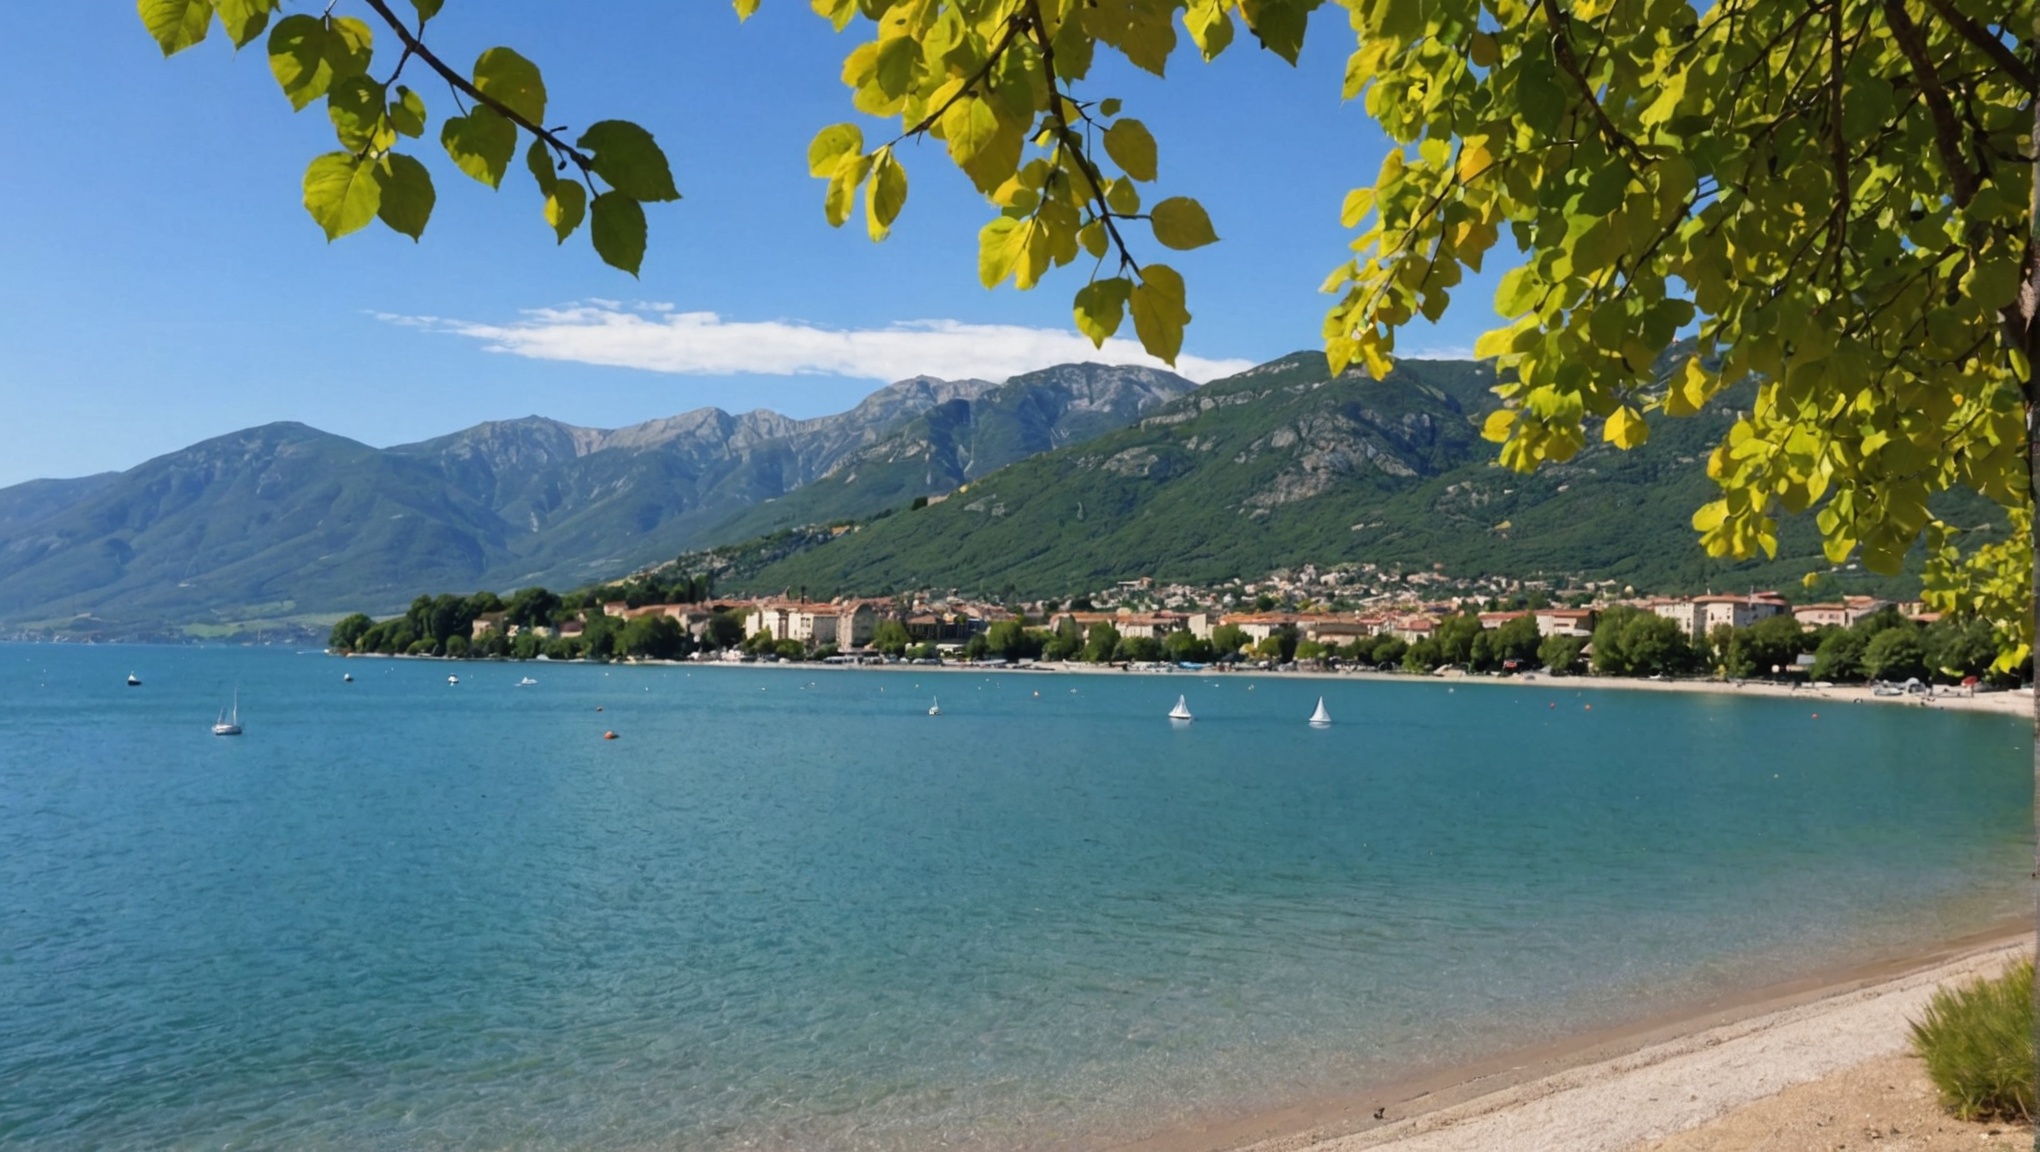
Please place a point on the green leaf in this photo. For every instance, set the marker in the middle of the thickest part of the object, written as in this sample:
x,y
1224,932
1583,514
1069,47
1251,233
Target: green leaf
x,y
297,58
565,205
244,20
1132,148
1158,311
628,158
1100,306
342,192
176,24
745,8
618,230
355,106
829,147
350,45
407,112
540,161
512,81
427,9
885,195
480,143
407,195
1180,223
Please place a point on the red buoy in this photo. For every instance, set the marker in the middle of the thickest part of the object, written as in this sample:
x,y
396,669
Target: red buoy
x,y
609,735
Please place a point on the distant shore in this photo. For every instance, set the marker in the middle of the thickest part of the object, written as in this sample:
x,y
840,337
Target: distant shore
x,y
2010,702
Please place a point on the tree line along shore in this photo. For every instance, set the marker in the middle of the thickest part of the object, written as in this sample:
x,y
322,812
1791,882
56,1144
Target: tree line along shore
x,y
678,618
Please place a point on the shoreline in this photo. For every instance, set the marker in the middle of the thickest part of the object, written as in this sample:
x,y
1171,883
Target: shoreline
x,y
1624,1085
2008,702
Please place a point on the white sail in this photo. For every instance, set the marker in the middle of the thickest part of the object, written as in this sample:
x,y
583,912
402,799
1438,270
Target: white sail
x,y
1320,718
1182,709
935,709
229,722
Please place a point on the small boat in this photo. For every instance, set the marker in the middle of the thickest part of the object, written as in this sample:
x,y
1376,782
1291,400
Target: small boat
x,y
1321,718
453,679
935,709
1182,709
134,681
526,682
347,677
229,722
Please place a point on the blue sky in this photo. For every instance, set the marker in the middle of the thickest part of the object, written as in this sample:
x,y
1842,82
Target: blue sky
x,y
160,282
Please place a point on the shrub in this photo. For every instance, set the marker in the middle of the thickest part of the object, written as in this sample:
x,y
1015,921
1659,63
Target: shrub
x,y
1977,1041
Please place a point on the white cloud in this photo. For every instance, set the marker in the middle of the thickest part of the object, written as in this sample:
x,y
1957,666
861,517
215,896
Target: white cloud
x,y
1448,352
657,338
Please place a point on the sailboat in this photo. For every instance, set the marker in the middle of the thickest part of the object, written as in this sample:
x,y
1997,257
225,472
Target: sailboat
x,y
526,682
229,722
1182,709
347,677
453,679
134,681
935,709
1321,718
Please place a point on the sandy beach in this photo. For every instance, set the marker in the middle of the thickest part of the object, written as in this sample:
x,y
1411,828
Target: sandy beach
x,y
1817,1064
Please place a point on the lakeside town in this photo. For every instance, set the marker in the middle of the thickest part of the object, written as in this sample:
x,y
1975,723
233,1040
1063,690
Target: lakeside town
x,y
1303,619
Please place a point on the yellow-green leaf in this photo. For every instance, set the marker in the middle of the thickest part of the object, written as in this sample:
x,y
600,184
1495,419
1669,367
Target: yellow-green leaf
x,y
1132,148
885,195
407,112
995,250
842,194
1180,223
628,158
970,126
342,192
407,195
244,20
176,24
512,81
745,8
1626,428
355,105
297,58
1158,311
1359,202
829,147
618,229
564,207
539,161
481,144
1100,305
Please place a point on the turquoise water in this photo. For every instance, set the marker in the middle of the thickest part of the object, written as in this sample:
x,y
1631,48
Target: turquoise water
x,y
788,909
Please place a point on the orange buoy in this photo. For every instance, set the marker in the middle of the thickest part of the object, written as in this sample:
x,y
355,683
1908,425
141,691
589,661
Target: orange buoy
x,y
1590,707
1816,715
609,735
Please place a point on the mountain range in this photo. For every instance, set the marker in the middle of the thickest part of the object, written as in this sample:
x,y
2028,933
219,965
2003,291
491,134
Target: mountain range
x,y
284,521
1286,464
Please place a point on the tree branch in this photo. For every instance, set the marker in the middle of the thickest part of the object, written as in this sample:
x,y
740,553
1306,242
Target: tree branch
x,y
2021,73
1067,137
1947,132
416,47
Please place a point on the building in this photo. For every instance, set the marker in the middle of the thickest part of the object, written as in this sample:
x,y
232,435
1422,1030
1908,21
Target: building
x,y
1699,616
817,625
1841,613
1567,621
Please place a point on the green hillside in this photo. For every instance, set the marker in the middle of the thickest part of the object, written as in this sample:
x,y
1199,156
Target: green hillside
x,y
1284,465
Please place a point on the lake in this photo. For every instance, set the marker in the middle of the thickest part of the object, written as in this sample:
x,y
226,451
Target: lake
x,y
786,908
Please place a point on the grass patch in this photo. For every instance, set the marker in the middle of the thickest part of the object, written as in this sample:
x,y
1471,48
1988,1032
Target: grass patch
x,y
1977,1041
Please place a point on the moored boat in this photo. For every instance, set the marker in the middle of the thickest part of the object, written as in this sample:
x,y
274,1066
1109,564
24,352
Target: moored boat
x,y
1182,709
